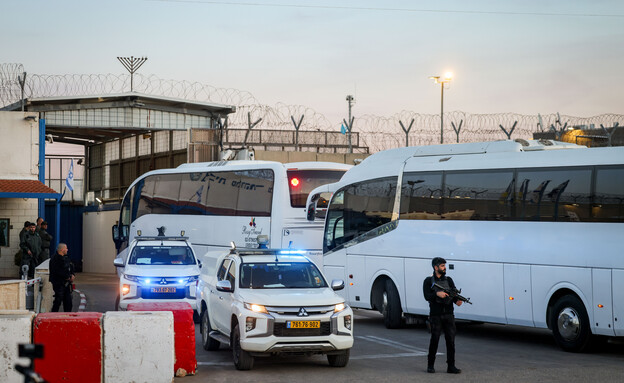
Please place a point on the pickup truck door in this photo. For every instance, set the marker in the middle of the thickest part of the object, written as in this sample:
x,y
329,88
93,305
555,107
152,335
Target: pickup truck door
x,y
217,297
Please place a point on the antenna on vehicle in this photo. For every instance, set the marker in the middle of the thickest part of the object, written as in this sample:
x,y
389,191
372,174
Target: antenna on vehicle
x,y
232,247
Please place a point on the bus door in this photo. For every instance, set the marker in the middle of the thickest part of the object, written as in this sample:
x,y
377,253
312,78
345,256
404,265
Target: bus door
x,y
357,286
518,306
618,301
602,307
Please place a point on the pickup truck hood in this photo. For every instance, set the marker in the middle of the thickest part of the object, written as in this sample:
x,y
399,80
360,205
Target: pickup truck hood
x,y
291,297
162,271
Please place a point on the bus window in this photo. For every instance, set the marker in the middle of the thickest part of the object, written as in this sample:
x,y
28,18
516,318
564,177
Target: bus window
x,y
421,196
553,195
482,195
302,182
608,203
366,206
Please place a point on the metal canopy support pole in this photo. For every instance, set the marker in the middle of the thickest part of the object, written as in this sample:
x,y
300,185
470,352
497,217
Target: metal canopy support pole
x,y
41,201
57,228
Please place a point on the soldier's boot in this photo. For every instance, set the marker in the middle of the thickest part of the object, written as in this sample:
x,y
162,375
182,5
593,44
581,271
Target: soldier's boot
x,y
452,369
430,363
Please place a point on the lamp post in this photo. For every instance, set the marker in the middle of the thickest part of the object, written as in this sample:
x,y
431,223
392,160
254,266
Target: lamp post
x,y
442,80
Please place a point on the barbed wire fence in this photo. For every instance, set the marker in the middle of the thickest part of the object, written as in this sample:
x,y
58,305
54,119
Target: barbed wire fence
x,y
376,132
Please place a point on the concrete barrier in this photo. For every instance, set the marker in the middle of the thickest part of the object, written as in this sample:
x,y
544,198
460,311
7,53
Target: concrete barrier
x,y
15,328
138,347
72,346
184,333
13,295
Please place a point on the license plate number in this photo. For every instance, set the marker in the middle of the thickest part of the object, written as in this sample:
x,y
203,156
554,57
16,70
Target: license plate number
x,y
304,324
163,289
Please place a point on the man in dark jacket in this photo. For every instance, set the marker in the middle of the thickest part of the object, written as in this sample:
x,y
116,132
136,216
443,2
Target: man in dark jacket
x,y
46,240
62,278
441,315
31,249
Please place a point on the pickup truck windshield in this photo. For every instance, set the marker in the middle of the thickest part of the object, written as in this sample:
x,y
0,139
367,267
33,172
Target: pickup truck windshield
x,y
161,255
281,276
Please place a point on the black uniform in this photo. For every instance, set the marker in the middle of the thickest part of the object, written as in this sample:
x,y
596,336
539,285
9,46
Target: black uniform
x,y
441,318
61,270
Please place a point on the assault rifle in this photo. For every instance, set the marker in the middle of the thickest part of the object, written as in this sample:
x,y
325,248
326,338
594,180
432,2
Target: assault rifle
x,y
453,293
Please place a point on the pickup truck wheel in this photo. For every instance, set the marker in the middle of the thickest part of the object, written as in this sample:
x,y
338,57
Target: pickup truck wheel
x,y
208,343
116,303
339,360
242,359
391,306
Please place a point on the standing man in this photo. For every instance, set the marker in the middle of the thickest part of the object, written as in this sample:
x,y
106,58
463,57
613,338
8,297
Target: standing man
x,y
46,240
24,230
62,278
441,315
31,249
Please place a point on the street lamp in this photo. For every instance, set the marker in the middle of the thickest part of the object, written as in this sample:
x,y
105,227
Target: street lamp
x,y
442,80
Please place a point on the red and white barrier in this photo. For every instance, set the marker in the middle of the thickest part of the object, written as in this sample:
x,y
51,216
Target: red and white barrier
x,y
72,346
138,347
184,330
15,328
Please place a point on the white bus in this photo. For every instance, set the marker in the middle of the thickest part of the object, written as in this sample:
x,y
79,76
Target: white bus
x,y
531,230
215,203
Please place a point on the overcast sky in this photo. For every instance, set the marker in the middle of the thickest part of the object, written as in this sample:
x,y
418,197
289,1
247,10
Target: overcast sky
x,y
525,56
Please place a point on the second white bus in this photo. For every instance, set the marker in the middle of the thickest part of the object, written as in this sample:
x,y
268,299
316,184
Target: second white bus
x,y
217,203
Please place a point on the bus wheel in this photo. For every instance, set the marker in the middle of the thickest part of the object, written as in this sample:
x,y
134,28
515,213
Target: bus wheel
x,y
570,324
391,306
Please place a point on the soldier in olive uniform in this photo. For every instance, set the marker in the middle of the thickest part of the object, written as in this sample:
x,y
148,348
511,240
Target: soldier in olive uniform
x,y
46,240
31,249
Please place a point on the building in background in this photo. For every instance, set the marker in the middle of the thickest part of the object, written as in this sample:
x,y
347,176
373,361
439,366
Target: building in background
x,y
21,185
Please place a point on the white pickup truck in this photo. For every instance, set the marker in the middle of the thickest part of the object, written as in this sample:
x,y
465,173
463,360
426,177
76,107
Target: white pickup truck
x,y
271,302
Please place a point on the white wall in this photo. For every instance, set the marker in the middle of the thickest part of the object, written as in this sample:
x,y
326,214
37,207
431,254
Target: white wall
x,y
19,146
98,248
19,156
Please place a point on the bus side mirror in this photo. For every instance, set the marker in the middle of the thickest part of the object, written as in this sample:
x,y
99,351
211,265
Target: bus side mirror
x,y
115,233
311,209
124,231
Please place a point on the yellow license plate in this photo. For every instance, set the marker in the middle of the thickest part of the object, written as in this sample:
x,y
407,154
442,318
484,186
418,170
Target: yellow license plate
x,y
304,324
163,289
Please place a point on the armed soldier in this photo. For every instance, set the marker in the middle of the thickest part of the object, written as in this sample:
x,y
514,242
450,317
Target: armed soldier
x,y
46,240
441,315
31,249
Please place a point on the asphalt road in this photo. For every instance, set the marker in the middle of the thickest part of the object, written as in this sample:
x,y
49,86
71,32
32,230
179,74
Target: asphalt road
x,y
485,353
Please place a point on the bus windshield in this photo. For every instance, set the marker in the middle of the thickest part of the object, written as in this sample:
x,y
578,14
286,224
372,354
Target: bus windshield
x,y
281,276
161,255
302,182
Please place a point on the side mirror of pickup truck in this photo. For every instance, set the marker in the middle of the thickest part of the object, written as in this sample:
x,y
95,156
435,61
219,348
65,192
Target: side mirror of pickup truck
x,y
337,284
118,262
224,286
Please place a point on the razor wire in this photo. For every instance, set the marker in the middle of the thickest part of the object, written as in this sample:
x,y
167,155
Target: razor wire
x,y
376,132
